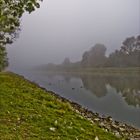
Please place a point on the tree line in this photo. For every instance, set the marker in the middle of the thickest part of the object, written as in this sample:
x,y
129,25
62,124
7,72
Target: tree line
x,y
127,56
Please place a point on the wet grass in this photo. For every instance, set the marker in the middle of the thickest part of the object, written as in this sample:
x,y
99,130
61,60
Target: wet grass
x,y
30,113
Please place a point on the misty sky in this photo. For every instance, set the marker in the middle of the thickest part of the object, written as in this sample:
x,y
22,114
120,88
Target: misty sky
x,y
67,28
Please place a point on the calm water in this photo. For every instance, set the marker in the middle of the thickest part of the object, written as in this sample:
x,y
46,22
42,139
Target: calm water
x,y
116,96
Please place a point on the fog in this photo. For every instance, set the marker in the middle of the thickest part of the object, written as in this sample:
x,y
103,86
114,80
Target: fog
x,y
67,28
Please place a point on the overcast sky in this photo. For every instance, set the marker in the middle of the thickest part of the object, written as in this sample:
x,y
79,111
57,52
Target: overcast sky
x,y
67,28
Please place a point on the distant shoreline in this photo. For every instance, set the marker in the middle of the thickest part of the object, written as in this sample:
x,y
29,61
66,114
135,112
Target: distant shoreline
x,y
95,71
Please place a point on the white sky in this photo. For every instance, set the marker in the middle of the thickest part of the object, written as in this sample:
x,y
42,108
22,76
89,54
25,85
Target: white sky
x,y
67,28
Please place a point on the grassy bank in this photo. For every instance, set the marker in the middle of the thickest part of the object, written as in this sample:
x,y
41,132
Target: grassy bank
x,y
28,112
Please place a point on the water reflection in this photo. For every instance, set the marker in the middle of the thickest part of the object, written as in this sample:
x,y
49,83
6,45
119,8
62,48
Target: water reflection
x,y
96,84
128,86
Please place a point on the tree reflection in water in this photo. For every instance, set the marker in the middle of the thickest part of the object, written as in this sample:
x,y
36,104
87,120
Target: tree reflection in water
x,y
128,86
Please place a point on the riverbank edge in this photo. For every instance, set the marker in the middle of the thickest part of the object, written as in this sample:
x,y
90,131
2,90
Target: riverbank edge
x,y
107,123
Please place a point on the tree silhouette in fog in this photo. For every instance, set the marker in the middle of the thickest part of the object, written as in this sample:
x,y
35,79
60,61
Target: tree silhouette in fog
x,y
95,57
128,55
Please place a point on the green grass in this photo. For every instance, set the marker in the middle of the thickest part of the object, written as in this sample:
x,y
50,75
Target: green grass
x,y
30,113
